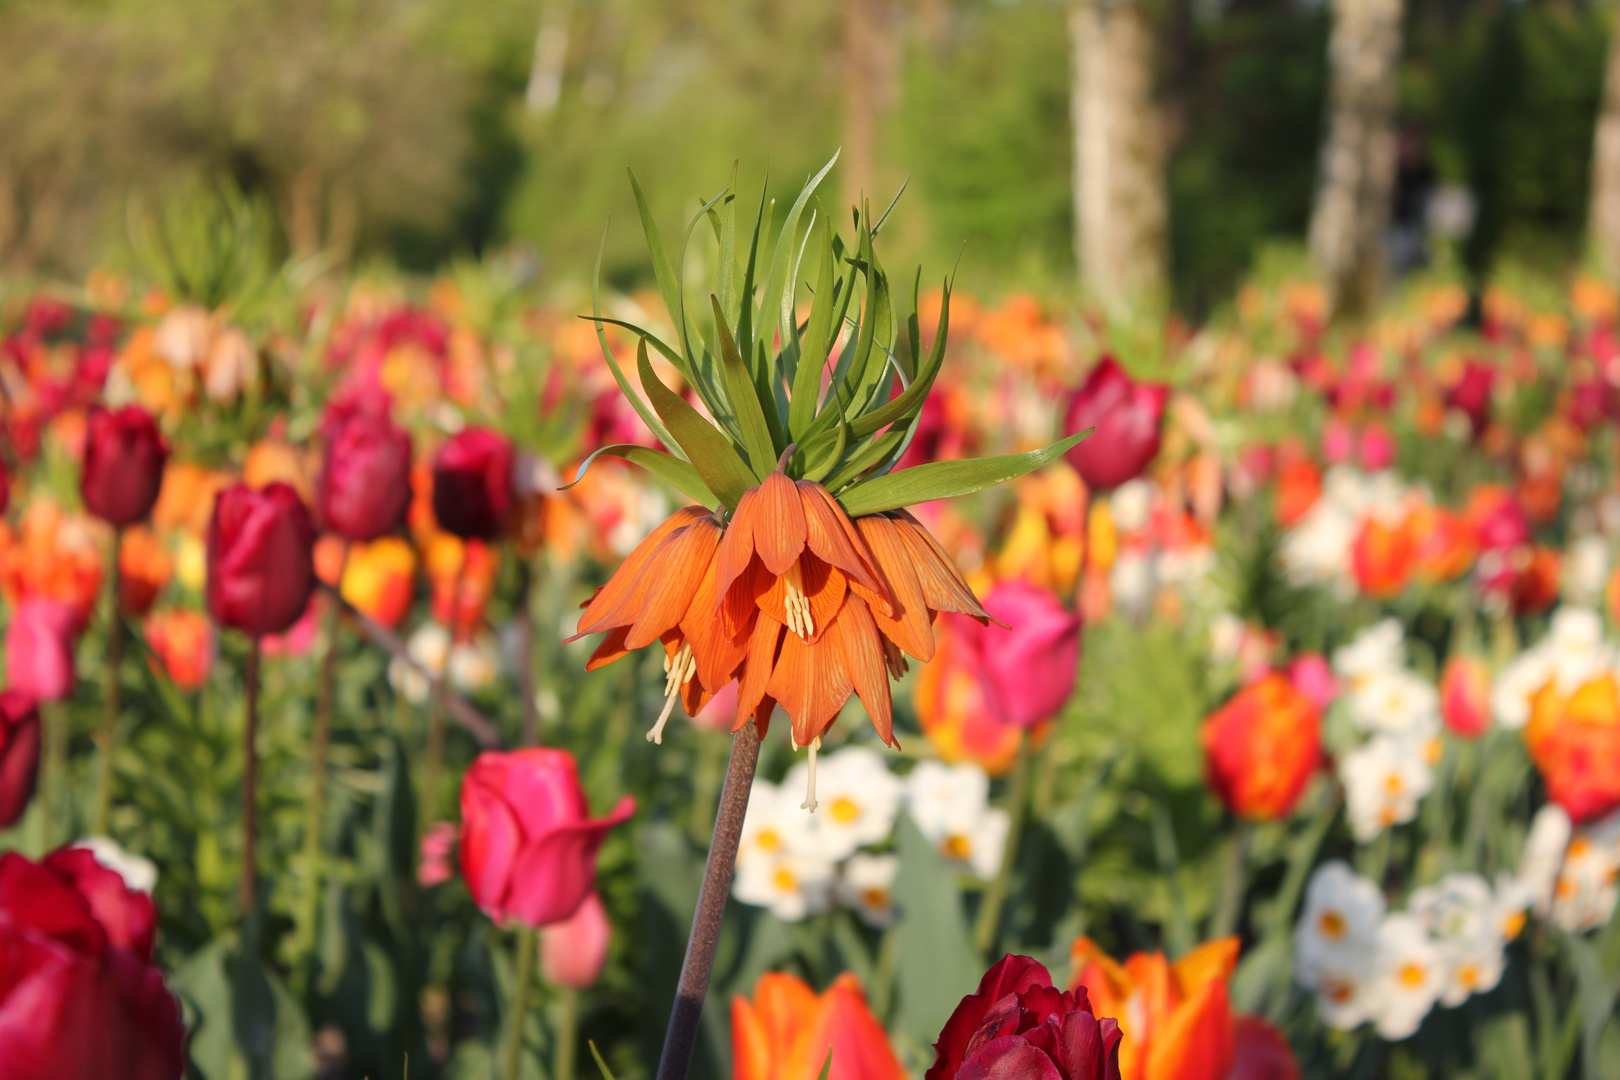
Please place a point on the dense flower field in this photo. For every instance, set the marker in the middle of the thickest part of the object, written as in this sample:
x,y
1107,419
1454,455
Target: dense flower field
x,y
1273,729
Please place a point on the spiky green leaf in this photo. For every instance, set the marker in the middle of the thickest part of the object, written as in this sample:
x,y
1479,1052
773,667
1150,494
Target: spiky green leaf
x,y
640,406
780,285
678,474
711,453
745,403
947,479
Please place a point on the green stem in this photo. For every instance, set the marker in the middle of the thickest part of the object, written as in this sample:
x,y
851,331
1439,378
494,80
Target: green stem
x,y
1180,932
526,687
250,782
433,753
107,738
319,748
58,805
984,931
567,1025
512,1054
1230,905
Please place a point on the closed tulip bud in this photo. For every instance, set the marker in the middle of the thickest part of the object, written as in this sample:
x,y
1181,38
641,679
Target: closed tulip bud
x,y
39,648
1471,394
1465,696
261,564
19,754
573,952
365,483
472,484
528,842
1261,748
1127,417
123,464
1026,672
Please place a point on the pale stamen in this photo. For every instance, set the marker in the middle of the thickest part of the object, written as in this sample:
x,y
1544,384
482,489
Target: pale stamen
x,y
799,619
810,803
679,672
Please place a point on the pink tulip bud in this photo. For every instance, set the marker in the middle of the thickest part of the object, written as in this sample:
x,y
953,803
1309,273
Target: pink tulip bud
x,y
573,952
1313,677
1465,696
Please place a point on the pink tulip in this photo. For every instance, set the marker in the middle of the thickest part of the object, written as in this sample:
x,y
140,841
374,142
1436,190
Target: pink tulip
x,y
528,843
1376,449
39,648
1465,696
1338,442
1313,677
1126,415
1025,668
573,952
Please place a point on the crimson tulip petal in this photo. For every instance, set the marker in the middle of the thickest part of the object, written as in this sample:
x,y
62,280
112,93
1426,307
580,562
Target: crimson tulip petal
x,y
1010,1058
554,873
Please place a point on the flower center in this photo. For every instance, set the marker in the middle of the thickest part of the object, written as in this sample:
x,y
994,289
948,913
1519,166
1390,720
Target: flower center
x,y
1468,975
678,671
785,880
1338,991
875,898
957,846
845,810
767,840
1332,925
1412,975
799,619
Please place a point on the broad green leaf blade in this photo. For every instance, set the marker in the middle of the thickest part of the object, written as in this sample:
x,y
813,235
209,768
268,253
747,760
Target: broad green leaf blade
x,y
673,471
745,403
936,964
710,452
779,286
817,341
745,316
663,269
947,479
868,457
607,354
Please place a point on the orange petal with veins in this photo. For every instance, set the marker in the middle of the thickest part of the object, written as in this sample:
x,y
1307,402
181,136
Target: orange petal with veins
x,y
942,583
812,684
833,538
736,548
610,648
762,647
674,573
824,586
911,627
857,637
627,578
718,656
779,528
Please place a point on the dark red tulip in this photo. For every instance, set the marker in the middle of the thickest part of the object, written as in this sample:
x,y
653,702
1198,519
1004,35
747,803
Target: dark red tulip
x,y
1259,1052
1127,416
1017,1024
365,483
1471,394
124,456
472,484
79,998
261,561
19,754
5,488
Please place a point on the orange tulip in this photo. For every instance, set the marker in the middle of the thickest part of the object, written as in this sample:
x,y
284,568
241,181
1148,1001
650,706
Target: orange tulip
x,y
183,640
1262,747
950,706
380,579
787,1030
1384,557
144,567
52,554
1299,485
1176,1018
1443,543
1575,744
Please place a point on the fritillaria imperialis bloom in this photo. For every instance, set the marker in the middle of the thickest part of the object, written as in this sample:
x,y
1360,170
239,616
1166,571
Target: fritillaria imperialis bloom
x,y
123,464
786,1031
800,575
1261,748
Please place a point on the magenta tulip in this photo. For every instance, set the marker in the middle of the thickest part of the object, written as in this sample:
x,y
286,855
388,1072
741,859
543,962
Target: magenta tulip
x,y
574,951
39,648
261,558
528,843
122,472
79,997
1025,667
472,484
1127,416
19,754
365,483
1471,394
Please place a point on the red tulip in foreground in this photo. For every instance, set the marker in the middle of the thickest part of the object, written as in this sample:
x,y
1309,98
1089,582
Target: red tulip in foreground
x,y
472,484
79,997
123,464
1026,666
1017,1024
574,951
528,842
39,648
261,562
365,483
19,754
787,1030
1126,415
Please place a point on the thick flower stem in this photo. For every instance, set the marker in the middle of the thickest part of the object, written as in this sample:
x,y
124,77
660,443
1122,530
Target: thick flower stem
x,y
984,931
115,660
567,1026
58,802
525,617
319,745
684,1019
250,780
512,1053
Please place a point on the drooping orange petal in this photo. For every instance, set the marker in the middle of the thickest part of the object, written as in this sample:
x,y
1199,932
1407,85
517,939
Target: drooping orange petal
x,y
1195,1041
763,644
674,572
862,648
911,627
812,683
779,527
736,606
610,648
624,579
717,655
736,549
942,583
833,538
824,586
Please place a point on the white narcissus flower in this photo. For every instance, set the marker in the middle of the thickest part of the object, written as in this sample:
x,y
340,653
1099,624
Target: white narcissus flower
x,y
1130,505
1338,929
771,827
1588,883
791,886
1516,684
1542,856
1586,569
1461,914
859,799
866,886
429,646
474,664
139,873
1374,651
950,804
1398,702
1384,779
1411,973
1317,550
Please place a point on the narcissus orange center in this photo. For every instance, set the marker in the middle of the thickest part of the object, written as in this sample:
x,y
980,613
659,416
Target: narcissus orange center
x,y
799,603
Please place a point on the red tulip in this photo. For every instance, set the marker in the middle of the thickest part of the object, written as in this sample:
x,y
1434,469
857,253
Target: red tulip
x,y
528,843
1017,1024
1262,747
39,648
365,484
472,484
1471,394
1026,673
79,999
1465,696
19,754
261,563
1126,415
5,488
1259,1052
574,951
123,464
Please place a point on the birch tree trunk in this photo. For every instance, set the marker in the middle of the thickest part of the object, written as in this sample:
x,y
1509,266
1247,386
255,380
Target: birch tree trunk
x,y
1356,178
550,55
1119,187
871,62
1603,214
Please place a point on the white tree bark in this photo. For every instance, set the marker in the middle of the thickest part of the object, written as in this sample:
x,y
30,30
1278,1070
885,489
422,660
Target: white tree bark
x,y
550,55
1356,181
1119,188
1603,214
